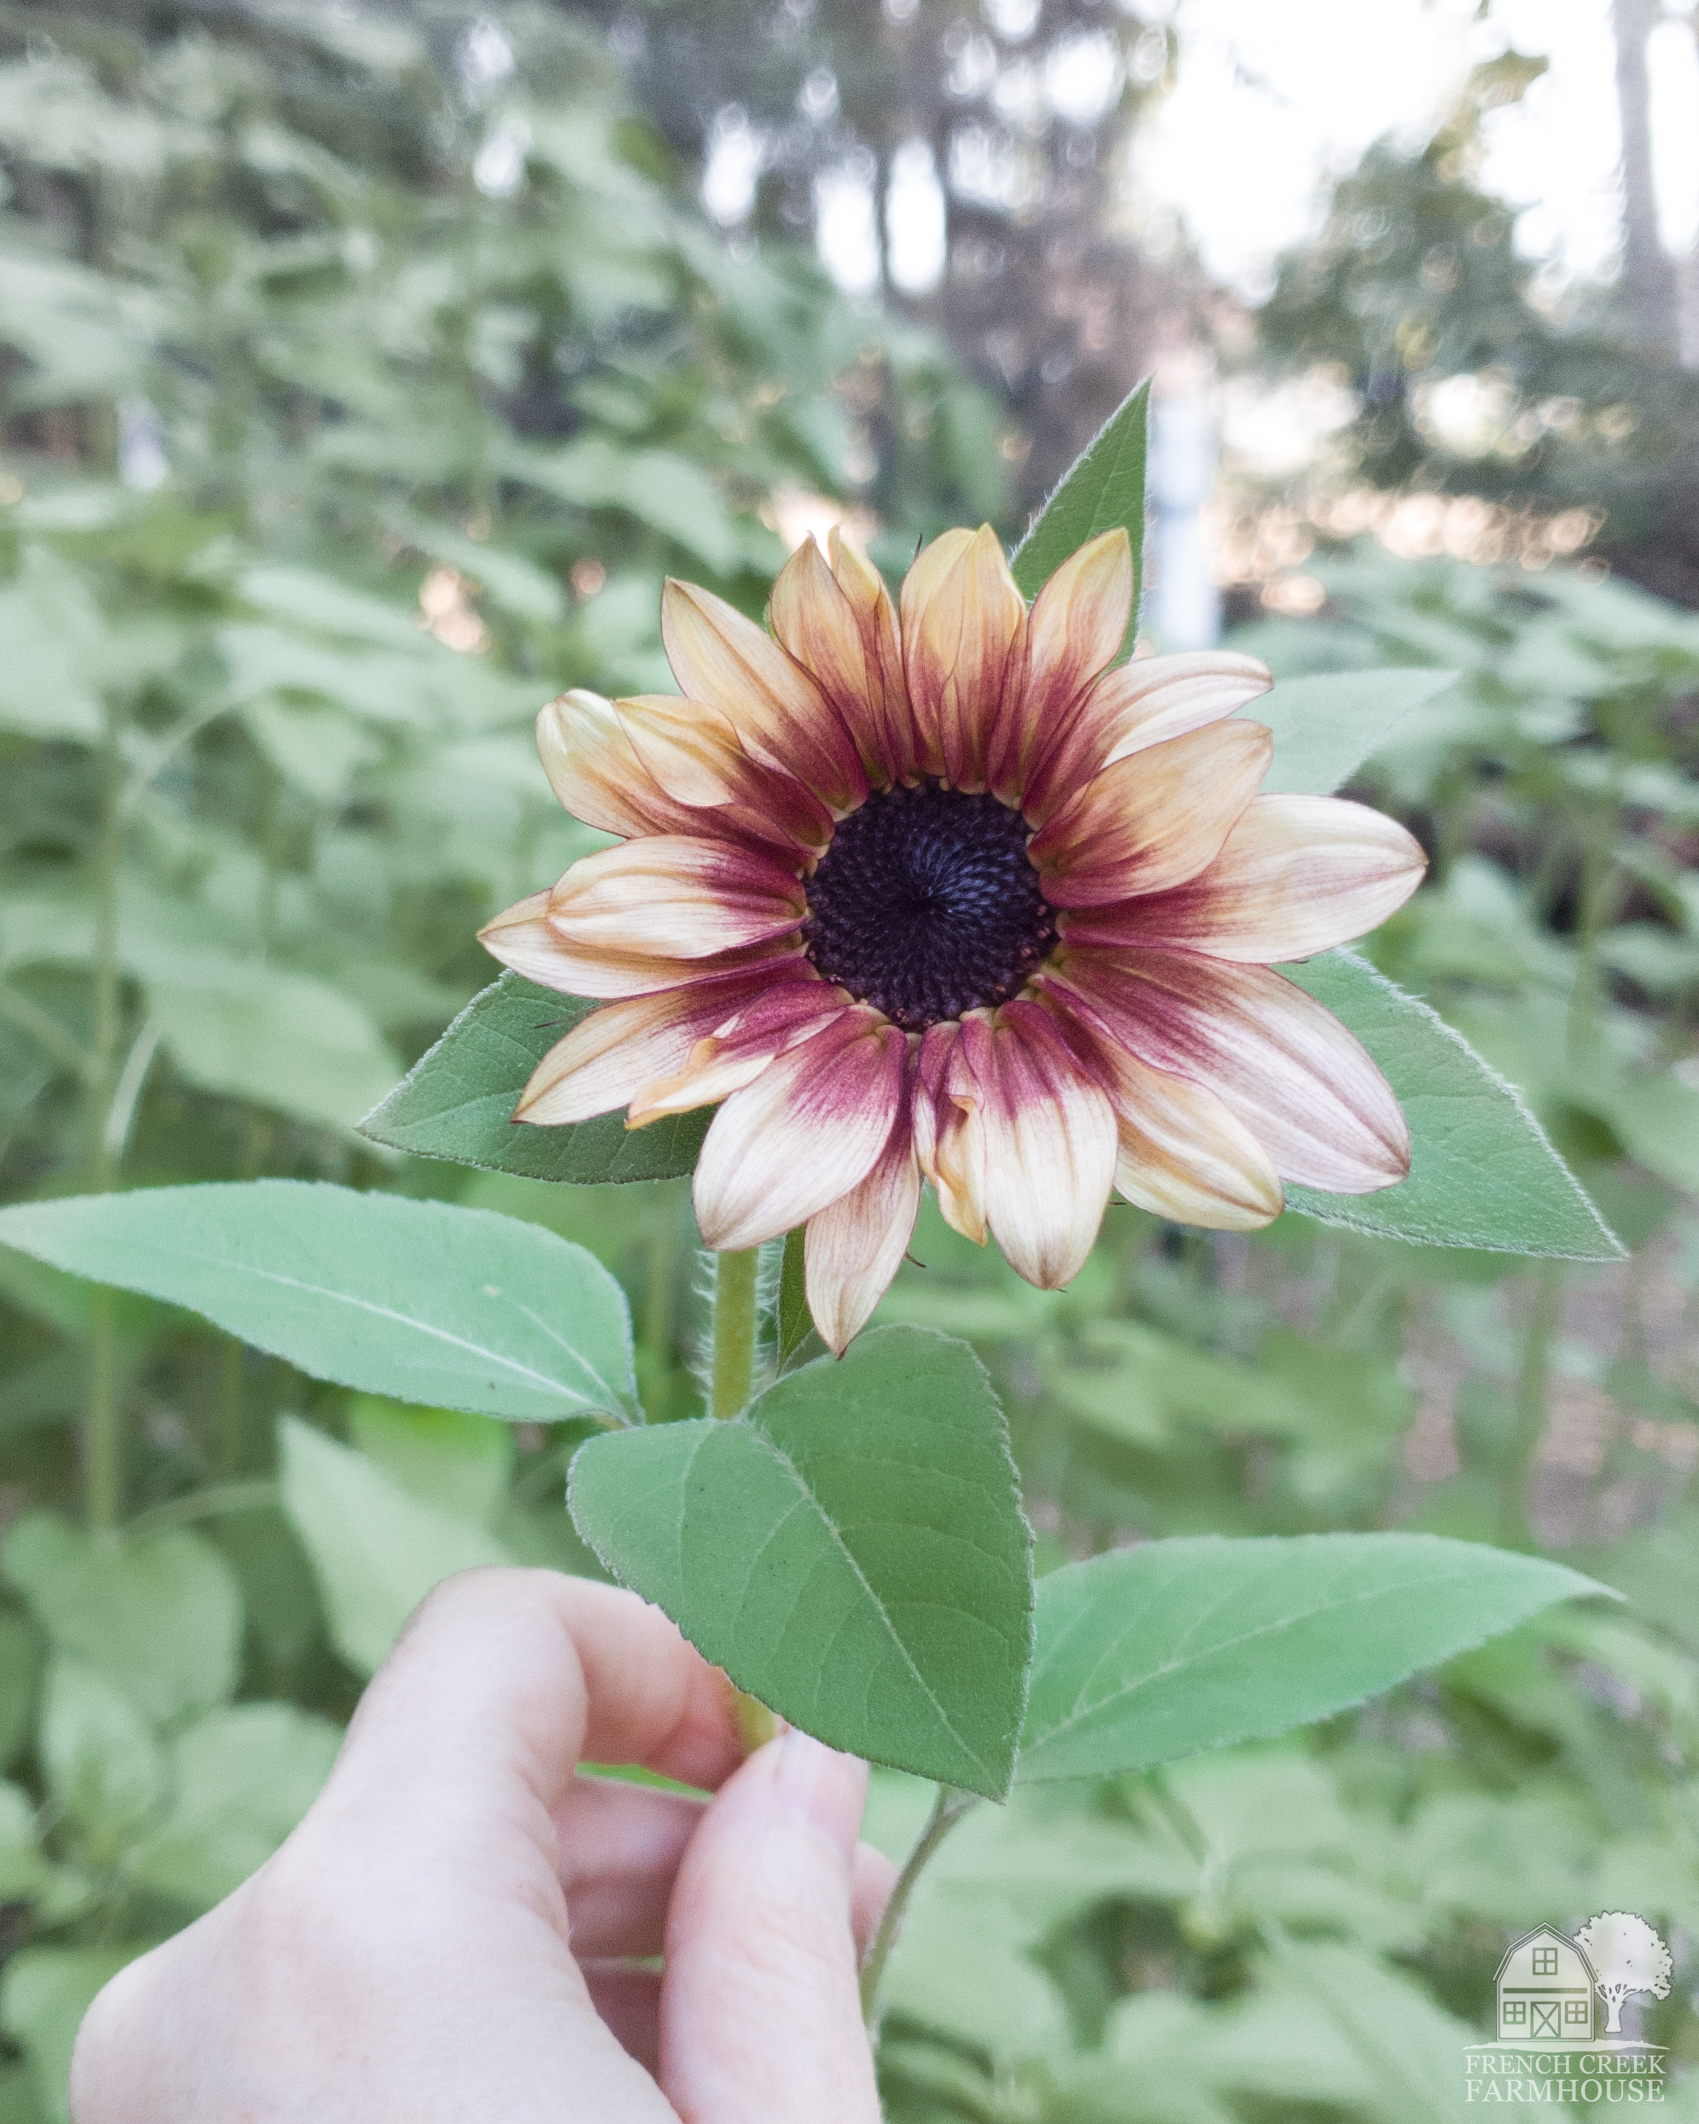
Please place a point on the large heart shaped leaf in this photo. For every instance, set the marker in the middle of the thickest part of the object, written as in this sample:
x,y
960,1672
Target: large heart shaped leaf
x,y
1481,1171
455,1308
851,1551
457,1101
1327,725
1102,489
1151,1653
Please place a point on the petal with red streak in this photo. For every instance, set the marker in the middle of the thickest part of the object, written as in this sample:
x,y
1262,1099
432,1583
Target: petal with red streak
x,y
949,1131
779,714
1050,1147
673,896
691,753
1074,632
1303,1085
595,771
1183,1154
1297,875
735,1052
964,625
1152,821
609,1057
855,1245
809,1128
843,634
1144,703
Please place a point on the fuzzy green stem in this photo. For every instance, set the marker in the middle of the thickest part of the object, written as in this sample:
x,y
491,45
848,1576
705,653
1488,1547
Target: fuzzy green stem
x,y
735,1311
948,1807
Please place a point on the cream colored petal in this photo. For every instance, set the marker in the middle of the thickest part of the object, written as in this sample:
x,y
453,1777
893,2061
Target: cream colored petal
x,y
525,939
691,752
604,1062
735,1052
876,615
671,896
1075,631
1050,1148
778,712
855,1245
1297,875
1153,821
805,1132
963,624
594,770
949,1133
1304,1086
1144,703
1182,1154
839,646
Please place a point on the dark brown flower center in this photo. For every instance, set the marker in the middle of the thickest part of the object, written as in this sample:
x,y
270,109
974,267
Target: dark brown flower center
x,y
926,905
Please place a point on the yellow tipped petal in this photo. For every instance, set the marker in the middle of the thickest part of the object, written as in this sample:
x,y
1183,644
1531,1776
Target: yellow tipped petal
x,y
963,626
1297,875
669,896
1152,821
780,715
1050,1148
594,770
1075,631
842,631
855,1245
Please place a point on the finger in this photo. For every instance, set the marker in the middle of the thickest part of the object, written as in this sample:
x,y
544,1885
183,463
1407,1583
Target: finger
x,y
872,1877
506,1675
629,2001
760,2012
620,1846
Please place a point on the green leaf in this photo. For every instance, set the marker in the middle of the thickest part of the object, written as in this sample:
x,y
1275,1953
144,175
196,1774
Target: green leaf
x,y
239,1781
1482,1172
43,1996
1156,1652
99,1757
796,1322
375,1550
1103,488
456,1308
457,1101
851,1551
462,1463
1326,726
158,1617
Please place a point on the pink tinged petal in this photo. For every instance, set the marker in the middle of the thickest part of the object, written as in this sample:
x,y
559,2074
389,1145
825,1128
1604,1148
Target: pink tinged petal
x,y
1144,703
1050,1148
1182,1154
735,1052
1075,631
1297,875
876,615
949,1129
1304,1086
850,650
781,717
809,1128
964,624
691,753
855,1245
595,771
604,1062
1153,821
525,939
673,896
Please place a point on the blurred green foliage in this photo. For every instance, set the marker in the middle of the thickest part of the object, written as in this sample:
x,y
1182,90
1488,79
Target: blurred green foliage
x,y
324,325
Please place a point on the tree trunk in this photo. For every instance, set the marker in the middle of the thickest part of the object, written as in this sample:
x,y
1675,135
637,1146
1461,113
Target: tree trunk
x,y
1648,284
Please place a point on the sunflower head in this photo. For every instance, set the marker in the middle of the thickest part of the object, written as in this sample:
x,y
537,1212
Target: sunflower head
x,y
939,891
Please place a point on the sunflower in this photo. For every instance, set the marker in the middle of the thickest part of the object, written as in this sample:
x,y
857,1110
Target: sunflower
x,y
941,891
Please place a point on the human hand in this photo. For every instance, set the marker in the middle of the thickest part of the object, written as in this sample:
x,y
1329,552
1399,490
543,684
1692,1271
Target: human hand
x,y
431,1945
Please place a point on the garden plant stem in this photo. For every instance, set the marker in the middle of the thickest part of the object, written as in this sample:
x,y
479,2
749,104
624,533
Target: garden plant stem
x,y
948,1807
732,1375
104,1443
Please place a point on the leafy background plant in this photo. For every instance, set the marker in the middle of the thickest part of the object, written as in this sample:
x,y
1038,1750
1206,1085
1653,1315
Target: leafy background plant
x,y
331,450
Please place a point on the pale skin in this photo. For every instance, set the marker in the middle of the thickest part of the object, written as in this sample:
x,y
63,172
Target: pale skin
x,y
434,1941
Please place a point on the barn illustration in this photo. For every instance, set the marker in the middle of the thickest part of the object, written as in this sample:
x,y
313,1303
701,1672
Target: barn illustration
x,y
1545,1991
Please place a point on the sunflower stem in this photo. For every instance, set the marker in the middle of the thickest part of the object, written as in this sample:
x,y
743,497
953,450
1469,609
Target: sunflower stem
x,y
948,1807
735,1318
103,1444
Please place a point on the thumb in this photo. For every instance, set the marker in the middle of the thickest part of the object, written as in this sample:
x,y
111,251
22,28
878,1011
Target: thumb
x,y
760,2008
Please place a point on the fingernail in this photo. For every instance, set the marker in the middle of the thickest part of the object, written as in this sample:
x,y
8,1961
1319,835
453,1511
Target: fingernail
x,y
825,1788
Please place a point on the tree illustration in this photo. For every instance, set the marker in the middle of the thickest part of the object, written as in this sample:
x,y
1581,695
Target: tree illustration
x,y
1627,1956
